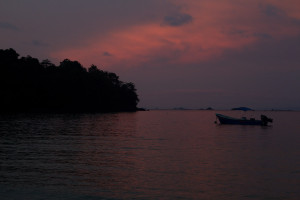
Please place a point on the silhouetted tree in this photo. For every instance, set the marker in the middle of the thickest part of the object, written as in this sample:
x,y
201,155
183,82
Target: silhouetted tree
x,y
30,86
47,63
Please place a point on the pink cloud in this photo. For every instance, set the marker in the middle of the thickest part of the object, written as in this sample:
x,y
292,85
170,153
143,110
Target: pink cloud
x,y
216,27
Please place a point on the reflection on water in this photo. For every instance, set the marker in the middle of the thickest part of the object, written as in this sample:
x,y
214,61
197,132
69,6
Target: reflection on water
x,y
148,155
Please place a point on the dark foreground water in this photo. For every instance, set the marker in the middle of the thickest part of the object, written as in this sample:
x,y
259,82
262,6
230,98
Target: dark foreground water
x,y
148,155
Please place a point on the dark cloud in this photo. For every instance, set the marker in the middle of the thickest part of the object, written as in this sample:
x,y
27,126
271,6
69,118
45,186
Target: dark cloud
x,y
177,19
236,32
244,33
278,16
5,25
39,43
263,35
106,54
272,10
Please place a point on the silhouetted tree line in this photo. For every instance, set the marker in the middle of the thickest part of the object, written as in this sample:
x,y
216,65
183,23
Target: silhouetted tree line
x,y
28,85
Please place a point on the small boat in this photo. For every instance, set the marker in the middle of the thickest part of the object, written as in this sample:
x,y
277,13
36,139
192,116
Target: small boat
x,y
223,119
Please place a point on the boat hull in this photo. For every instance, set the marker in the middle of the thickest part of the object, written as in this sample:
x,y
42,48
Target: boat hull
x,y
223,119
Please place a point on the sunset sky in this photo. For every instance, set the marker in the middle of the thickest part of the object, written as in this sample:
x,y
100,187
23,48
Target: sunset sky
x,y
191,53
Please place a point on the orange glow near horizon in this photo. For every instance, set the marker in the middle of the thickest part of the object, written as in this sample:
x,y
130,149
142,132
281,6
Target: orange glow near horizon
x,y
215,27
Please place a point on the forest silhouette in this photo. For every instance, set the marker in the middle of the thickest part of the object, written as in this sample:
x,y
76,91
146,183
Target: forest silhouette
x,y
28,85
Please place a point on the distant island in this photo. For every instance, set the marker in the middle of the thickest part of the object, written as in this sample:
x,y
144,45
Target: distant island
x,y
28,85
182,108
243,109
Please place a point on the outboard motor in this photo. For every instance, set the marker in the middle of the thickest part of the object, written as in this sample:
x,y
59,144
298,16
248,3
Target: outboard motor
x,y
265,120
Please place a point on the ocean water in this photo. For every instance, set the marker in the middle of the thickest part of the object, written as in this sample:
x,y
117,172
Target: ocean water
x,y
148,155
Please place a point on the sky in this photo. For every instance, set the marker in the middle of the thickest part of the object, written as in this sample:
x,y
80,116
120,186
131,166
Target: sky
x,y
192,53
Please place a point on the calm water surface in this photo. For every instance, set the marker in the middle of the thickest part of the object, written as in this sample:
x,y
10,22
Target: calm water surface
x,y
149,155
